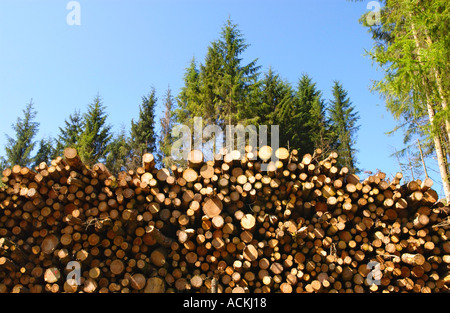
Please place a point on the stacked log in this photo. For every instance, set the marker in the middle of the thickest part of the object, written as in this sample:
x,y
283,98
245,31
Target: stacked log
x,y
221,225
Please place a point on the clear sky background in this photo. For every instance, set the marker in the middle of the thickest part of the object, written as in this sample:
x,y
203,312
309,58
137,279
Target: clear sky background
x,y
124,48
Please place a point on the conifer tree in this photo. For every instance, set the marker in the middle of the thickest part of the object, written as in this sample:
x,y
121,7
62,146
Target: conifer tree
x,y
343,120
19,148
166,122
275,94
189,97
302,121
96,136
119,153
411,46
45,152
69,136
143,137
236,79
223,89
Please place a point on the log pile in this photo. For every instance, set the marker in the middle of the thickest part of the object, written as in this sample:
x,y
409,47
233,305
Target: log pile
x,y
223,225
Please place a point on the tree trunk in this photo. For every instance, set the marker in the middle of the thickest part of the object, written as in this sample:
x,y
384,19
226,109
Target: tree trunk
x,y
441,157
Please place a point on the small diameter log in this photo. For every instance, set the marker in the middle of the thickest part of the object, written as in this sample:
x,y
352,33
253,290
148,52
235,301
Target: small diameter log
x,y
148,162
265,153
52,275
72,158
248,222
195,159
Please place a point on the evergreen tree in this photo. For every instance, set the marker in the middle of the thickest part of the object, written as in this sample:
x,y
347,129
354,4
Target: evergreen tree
x,y
236,80
275,96
96,136
302,121
45,152
343,120
167,122
3,166
69,136
223,89
189,97
119,153
19,148
143,137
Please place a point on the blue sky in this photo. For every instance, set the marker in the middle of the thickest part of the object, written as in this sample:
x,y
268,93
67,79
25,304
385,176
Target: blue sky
x,y
124,48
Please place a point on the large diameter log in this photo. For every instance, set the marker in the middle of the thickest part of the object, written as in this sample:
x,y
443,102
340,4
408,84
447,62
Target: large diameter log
x,y
212,207
413,259
49,244
155,285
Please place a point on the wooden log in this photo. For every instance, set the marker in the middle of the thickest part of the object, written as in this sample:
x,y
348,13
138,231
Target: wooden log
x,y
148,162
212,207
72,158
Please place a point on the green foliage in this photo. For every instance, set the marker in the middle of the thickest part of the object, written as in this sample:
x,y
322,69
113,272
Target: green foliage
x,y
118,154
167,123
96,135
143,136
302,121
343,119
45,152
223,90
19,148
411,45
69,136
276,101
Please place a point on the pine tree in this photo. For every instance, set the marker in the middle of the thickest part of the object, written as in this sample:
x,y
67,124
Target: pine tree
x,y
143,137
167,122
96,136
343,120
45,152
18,149
69,136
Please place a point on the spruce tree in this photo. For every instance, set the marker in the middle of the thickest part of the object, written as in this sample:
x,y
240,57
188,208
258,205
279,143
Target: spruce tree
x,y
143,137
344,117
275,94
18,149
189,98
236,79
119,153
96,136
45,151
69,136
302,121
223,89
167,122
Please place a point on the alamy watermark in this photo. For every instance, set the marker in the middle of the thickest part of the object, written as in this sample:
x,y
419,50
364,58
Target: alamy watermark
x,y
74,16
73,278
374,277
213,138
374,16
